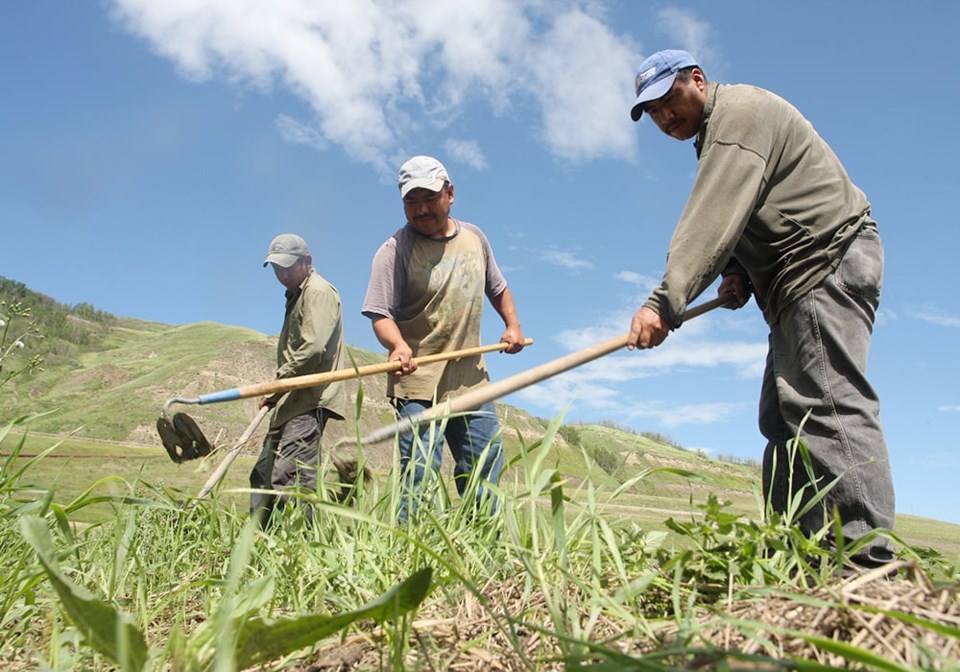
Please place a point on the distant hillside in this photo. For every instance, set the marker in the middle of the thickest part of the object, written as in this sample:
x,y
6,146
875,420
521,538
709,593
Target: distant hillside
x,y
106,378
64,330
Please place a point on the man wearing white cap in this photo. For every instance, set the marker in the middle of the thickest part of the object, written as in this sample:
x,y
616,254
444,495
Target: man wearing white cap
x,y
774,212
311,341
426,296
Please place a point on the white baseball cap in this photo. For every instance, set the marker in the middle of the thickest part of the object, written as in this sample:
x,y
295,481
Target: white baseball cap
x,y
422,172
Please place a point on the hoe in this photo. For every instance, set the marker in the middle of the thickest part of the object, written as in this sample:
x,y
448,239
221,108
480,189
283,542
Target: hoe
x,y
183,439
476,398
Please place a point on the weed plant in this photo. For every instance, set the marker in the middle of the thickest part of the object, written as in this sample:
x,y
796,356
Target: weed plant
x,y
556,578
14,338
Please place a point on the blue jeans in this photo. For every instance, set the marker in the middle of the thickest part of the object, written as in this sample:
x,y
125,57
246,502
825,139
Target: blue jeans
x,y
817,362
474,441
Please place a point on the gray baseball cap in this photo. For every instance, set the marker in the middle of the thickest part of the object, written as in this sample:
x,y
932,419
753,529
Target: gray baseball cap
x,y
422,172
286,249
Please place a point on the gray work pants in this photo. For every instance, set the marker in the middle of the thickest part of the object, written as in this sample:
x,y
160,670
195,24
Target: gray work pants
x,y
817,362
290,456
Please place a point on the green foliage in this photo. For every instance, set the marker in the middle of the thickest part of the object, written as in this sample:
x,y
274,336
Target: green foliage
x,y
660,438
236,637
18,585
751,462
724,547
53,317
17,330
619,426
104,566
106,629
569,434
160,586
66,330
606,458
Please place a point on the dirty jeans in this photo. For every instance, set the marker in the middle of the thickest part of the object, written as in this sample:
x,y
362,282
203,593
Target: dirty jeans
x,y
817,363
471,437
289,457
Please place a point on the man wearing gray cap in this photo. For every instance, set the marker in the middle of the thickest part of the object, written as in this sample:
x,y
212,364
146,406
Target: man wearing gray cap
x,y
426,296
311,341
774,212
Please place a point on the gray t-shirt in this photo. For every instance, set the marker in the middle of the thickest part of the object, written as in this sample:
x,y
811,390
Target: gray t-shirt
x,y
434,290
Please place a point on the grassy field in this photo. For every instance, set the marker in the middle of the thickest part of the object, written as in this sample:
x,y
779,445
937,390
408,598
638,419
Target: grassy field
x,y
77,464
609,550
623,564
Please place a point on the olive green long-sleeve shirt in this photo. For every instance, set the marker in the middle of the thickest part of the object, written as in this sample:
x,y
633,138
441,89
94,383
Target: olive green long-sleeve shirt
x,y
770,197
311,341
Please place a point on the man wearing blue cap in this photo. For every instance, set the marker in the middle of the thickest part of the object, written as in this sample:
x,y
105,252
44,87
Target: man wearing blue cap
x,y
311,341
773,211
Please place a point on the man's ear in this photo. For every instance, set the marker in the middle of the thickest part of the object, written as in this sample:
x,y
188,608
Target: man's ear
x,y
699,79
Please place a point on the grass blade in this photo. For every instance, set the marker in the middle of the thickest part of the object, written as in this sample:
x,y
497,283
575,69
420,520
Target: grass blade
x,y
260,641
108,630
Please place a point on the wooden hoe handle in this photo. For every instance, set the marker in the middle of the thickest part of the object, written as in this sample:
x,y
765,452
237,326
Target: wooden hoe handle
x,y
476,398
314,379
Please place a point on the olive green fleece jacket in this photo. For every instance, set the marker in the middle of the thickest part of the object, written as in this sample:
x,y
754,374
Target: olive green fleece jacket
x,y
770,198
311,341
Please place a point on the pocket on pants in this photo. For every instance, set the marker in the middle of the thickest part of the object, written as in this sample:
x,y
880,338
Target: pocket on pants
x,y
860,272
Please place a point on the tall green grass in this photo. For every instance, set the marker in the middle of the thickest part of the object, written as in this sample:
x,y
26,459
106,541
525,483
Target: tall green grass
x,y
558,577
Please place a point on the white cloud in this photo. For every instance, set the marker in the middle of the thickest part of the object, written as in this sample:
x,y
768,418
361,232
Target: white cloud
x,y
951,408
645,282
936,317
662,361
377,76
688,414
602,387
600,398
583,74
886,316
584,337
299,134
467,152
695,343
564,258
693,35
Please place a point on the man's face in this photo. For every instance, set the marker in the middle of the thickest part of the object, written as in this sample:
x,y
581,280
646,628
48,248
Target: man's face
x,y
678,112
429,211
293,276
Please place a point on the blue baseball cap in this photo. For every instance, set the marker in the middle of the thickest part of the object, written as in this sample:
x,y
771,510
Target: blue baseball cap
x,y
656,76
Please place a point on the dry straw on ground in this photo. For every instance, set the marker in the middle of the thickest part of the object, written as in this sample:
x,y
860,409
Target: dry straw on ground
x,y
871,612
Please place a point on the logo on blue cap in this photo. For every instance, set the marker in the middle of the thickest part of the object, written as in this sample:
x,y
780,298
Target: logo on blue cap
x,y
644,77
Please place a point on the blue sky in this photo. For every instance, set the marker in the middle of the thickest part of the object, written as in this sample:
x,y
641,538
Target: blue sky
x,y
151,150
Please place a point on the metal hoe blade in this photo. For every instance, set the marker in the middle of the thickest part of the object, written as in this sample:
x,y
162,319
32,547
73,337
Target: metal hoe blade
x,y
182,438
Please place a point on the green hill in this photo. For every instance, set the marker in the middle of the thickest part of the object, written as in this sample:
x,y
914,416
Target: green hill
x,y
106,378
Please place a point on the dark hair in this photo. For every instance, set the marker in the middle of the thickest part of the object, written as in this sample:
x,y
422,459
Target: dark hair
x,y
684,74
